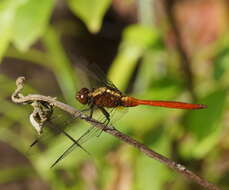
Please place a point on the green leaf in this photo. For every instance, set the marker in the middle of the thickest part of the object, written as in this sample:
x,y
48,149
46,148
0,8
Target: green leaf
x,y
152,174
91,12
60,64
7,13
201,148
136,39
204,122
30,22
221,63
205,126
198,149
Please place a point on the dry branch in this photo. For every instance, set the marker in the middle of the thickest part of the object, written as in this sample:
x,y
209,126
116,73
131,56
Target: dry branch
x,y
17,97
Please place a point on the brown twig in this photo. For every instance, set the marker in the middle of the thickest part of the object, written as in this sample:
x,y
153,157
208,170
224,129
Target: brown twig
x,y
17,97
185,60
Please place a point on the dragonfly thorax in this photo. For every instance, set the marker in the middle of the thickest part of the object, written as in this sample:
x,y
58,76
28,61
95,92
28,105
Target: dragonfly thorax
x,y
100,97
82,96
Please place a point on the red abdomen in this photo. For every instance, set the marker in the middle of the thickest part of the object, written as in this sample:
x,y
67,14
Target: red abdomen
x,y
130,102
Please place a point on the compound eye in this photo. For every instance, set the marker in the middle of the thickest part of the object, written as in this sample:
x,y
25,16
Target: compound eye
x,y
82,96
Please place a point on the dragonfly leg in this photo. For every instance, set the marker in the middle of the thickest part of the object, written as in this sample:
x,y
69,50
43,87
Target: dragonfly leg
x,y
106,122
91,111
106,114
34,142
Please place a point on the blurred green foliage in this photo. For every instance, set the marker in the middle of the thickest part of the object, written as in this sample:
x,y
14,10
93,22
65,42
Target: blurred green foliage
x,y
91,12
190,137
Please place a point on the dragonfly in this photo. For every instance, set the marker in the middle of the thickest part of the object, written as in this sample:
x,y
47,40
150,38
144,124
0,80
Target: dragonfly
x,y
108,96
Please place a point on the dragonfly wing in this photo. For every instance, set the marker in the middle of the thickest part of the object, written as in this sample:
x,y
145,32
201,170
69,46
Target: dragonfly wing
x,y
66,152
96,76
82,139
55,126
91,132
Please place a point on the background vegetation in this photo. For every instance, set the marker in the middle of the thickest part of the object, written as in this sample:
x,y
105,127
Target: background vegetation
x,y
151,49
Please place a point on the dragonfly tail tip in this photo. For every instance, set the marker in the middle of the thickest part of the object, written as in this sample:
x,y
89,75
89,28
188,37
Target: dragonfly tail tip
x,y
202,106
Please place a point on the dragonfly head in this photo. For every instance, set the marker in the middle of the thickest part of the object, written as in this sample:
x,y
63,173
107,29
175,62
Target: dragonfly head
x,y
82,96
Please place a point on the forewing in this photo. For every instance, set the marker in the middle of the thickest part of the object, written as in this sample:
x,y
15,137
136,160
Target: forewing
x,y
88,134
96,77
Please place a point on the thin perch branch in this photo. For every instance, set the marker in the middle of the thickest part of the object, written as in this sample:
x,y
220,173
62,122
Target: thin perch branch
x,y
17,97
